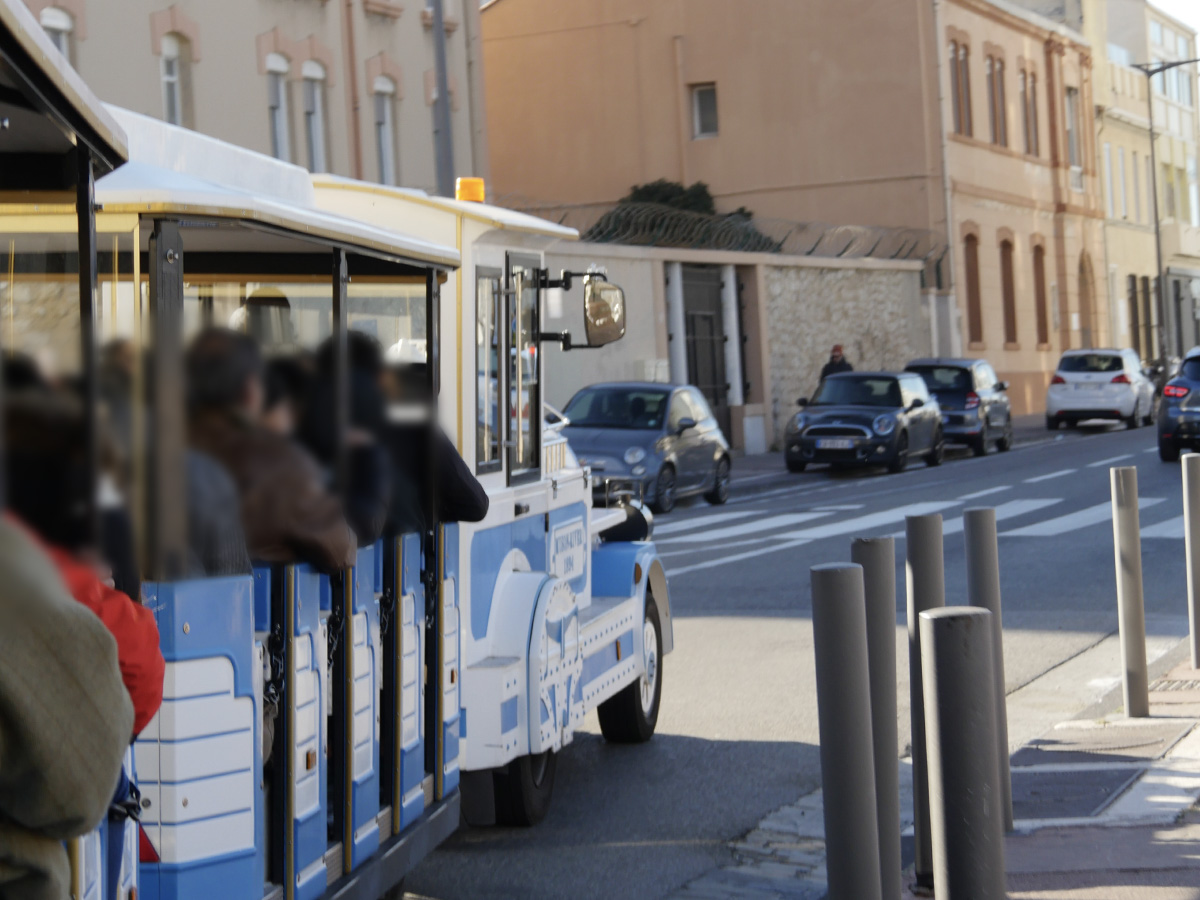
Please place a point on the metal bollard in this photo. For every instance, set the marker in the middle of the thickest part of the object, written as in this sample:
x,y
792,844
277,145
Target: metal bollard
x,y
925,577
1191,532
983,590
1131,614
877,556
960,721
844,718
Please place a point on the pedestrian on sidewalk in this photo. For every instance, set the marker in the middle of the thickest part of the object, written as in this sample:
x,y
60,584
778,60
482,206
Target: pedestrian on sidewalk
x,y
837,363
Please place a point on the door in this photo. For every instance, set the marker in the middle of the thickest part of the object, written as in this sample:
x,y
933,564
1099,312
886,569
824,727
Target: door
x,y
706,338
922,421
684,444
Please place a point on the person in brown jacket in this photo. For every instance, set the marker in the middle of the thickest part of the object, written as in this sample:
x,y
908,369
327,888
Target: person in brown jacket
x,y
288,513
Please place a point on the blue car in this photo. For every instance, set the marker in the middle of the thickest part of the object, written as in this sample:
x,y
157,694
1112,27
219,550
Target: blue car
x,y
1179,410
660,440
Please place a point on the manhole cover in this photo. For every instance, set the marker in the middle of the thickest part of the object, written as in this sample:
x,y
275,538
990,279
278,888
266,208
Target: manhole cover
x,y
1067,795
1101,744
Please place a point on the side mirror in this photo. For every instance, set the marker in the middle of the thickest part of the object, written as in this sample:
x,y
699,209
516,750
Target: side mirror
x,y
803,401
603,312
917,403
1002,385
684,424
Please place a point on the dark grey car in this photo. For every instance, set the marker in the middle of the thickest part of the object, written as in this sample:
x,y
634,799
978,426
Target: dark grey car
x,y
975,406
660,437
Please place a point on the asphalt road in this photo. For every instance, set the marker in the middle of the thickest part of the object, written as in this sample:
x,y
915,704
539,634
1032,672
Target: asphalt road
x,y
737,737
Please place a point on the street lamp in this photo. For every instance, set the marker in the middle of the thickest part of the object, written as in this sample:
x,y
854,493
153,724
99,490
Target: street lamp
x,y
1150,70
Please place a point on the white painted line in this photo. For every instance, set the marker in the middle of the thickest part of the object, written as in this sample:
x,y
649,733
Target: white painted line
x,y
697,522
1172,528
1093,515
988,492
869,522
845,507
693,550
710,563
1150,450
747,528
1110,461
1010,510
1051,475
752,478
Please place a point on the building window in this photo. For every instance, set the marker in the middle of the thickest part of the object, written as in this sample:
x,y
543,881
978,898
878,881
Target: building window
x,y
1108,180
1028,83
704,111
1156,34
1124,192
974,308
385,128
314,114
960,88
1137,189
1169,190
1010,292
1039,294
1135,329
1074,150
277,106
174,74
59,26
997,107
1151,197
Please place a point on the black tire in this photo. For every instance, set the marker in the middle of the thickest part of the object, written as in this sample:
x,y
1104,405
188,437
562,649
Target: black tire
x,y
980,445
1005,441
1150,417
1134,421
524,789
937,453
795,465
664,490
900,462
626,718
1168,451
720,489
1052,424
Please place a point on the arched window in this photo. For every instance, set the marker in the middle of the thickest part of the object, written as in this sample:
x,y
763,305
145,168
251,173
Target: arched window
x,y
59,26
1039,293
176,79
384,92
1009,291
314,114
277,106
974,308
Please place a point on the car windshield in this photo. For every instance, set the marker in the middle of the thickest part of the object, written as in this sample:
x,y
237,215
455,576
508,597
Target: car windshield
x,y
948,379
862,391
617,407
1091,362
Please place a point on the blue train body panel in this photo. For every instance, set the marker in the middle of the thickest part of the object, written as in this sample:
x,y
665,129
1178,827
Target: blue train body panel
x,y
411,727
450,674
364,742
309,758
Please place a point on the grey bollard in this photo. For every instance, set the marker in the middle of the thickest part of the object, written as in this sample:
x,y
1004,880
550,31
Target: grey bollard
x,y
960,723
844,719
1191,534
1131,614
877,556
983,590
925,577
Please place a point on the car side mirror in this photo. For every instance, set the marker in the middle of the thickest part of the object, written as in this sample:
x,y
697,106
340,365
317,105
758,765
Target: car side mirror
x,y
917,403
803,401
1002,385
603,312
684,424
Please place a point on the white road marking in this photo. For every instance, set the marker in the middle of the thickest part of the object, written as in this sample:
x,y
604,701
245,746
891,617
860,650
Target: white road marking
x,y
697,522
1010,510
846,507
692,551
978,494
1110,460
1172,528
1051,475
1150,450
747,528
749,554
1093,515
868,522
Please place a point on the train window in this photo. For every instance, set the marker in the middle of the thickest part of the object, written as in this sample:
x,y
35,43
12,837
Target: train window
x,y
525,401
487,370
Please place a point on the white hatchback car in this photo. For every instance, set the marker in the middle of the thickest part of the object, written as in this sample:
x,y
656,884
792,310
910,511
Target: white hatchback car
x,y
1099,384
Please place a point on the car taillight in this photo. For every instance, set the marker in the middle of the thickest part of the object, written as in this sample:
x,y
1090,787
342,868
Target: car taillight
x,y
1058,379
1120,379
972,400
1175,390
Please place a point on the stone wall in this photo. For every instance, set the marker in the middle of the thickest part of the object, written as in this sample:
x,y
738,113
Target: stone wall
x,y
876,314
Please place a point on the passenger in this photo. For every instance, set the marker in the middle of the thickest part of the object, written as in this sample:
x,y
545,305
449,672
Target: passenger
x,y
216,542
287,513
288,385
65,721
368,487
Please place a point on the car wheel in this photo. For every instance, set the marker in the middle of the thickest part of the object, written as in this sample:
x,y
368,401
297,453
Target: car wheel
x,y
1006,440
937,453
1153,414
1052,423
631,716
980,445
1168,451
720,489
1134,419
900,461
796,465
664,490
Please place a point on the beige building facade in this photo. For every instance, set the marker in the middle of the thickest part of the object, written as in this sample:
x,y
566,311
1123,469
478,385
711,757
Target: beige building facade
x,y
346,87
782,108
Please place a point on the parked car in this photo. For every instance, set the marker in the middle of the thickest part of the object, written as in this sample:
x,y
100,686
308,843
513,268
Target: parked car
x,y
662,440
1100,384
1179,410
974,402
866,418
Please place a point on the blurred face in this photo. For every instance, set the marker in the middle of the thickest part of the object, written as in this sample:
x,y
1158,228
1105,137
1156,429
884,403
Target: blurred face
x,y
280,418
836,355
253,398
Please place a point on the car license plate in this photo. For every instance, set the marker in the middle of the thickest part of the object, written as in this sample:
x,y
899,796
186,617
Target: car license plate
x,y
1088,387
834,443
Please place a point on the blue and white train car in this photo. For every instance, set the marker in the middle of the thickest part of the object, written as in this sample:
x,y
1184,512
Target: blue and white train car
x,y
552,608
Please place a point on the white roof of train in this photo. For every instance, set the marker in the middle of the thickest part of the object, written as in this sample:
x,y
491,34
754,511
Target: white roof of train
x,y
175,170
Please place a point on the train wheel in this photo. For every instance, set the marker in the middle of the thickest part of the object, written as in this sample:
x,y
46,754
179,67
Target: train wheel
x,y
524,789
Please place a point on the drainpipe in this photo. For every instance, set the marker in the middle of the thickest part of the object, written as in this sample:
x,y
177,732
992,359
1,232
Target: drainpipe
x,y
352,90
955,330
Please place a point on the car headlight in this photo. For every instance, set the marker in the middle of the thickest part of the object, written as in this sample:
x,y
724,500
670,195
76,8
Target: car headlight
x,y
634,455
884,424
796,424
